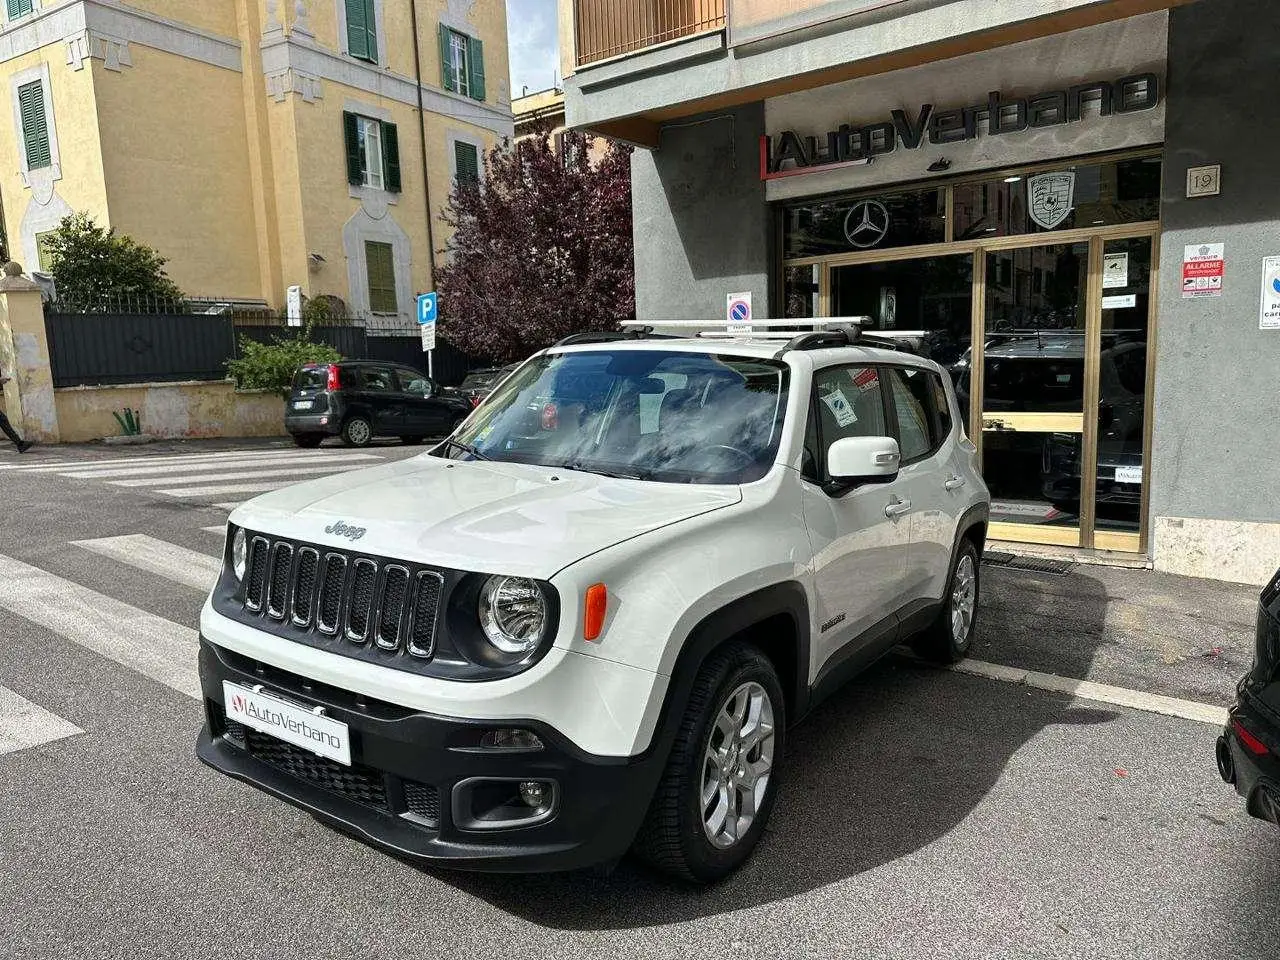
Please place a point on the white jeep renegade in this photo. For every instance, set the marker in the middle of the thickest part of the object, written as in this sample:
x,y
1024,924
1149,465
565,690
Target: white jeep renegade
x,y
588,620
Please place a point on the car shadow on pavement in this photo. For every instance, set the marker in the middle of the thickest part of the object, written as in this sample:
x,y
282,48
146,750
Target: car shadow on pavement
x,y
890,764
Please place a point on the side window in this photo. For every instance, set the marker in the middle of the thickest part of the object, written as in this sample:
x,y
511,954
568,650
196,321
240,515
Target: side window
x,y
378,380
916,432
848,403
941,406
462,63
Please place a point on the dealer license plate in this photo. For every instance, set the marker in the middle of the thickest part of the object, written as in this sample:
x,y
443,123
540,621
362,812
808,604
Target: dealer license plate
x,y
302,404
287,721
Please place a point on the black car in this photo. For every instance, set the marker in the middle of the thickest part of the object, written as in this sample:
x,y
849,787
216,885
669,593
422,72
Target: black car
x,y
362,399
1249,748
478,384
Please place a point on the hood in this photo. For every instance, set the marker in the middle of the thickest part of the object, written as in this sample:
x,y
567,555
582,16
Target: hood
x,y
483,516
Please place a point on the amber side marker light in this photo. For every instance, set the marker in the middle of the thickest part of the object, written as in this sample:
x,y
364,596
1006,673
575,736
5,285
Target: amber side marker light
x,y
596,603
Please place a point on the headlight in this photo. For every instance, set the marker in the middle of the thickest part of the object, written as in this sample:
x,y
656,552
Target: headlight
x,y
239,553
513,614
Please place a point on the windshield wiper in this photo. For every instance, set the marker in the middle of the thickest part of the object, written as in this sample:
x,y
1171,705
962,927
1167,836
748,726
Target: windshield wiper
x,y
466,448
581,467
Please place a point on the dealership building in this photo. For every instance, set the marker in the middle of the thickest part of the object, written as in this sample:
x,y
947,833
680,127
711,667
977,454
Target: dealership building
x,y
1072,205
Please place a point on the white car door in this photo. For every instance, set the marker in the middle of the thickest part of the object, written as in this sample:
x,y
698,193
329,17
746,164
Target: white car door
x,y
927,481
860,535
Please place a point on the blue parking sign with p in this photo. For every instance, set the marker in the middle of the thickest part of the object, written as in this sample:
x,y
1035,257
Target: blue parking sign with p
x,y
427,307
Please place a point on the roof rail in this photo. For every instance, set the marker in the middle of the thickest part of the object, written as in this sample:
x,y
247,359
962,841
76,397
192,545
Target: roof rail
x,y
607,336
795,333
820,340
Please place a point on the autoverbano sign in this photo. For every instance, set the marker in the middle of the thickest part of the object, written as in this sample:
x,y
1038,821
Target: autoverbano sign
x,y
790,153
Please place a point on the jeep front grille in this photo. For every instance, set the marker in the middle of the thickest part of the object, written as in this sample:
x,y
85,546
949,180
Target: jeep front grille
x,y
341,601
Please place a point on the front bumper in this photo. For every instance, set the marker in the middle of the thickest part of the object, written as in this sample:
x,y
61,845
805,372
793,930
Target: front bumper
x,y
1256,778
412,783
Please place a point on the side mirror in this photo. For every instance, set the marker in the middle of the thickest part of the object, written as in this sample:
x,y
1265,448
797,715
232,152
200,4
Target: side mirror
x,y
863,460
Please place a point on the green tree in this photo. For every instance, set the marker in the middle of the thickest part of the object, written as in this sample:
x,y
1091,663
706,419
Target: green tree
x,y
271,366
96,269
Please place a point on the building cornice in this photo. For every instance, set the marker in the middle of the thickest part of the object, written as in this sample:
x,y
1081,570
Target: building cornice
x,y
114,24
304,58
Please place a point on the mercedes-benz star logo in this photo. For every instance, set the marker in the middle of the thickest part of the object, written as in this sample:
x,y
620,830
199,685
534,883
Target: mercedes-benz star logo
x,y
866,223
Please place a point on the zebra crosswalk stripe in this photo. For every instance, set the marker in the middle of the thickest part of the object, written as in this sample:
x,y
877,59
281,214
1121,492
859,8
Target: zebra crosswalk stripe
x,y
213,467
23,724
224,490
246,475
150,645
46,466
158,557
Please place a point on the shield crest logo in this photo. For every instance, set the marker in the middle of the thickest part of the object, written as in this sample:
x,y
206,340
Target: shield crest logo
x,y
1052,197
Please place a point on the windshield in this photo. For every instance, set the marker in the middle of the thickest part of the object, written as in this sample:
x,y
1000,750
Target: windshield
x,y
645,414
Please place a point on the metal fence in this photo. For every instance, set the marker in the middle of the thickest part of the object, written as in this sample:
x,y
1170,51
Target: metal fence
x,y
609,28
92,349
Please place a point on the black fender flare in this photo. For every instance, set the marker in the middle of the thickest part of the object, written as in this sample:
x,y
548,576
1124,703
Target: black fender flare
x,y
977,515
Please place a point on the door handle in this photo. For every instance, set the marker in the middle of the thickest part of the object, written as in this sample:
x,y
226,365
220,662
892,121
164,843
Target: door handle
x,y
897,508
953,483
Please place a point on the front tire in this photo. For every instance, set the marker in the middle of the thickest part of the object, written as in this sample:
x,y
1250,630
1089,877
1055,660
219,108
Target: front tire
x,y
720,782
357,431
949,638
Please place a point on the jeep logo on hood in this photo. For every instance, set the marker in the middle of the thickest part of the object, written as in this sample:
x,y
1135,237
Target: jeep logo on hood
x,y
341,529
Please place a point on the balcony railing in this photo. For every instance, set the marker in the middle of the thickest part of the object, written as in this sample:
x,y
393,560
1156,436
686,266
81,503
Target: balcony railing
x,y
610,28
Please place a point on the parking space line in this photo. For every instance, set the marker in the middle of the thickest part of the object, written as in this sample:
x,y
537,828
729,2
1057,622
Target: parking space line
x,y
1097,692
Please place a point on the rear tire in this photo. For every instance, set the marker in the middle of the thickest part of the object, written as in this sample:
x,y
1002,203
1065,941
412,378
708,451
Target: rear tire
x,y
357,431
728,749
308,440
950,637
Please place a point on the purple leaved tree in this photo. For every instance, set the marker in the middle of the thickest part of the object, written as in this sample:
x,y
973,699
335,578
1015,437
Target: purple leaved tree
x,y
541,251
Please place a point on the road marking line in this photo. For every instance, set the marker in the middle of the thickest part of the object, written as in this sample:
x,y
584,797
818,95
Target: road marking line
x,y
168,560
46,466
221,529
187,493
247,475
228,506
153,646
212,468
23,724
1097,692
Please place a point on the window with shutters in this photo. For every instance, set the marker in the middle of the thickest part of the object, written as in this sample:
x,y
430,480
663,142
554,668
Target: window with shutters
x,y
373,152
466,164
18,8
462,63
362,33
380,263
35,125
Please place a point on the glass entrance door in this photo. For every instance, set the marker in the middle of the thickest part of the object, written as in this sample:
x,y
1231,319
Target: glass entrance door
x,y
1033,384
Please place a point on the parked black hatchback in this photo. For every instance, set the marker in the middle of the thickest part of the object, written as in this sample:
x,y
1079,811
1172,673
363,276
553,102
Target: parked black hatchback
x,y
362,399
1249,748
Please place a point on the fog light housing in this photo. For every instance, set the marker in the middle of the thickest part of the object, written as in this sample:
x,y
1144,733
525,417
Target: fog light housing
x,y
535,793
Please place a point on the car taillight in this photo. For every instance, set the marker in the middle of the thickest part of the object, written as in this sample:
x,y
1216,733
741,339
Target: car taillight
x,y
475,402
1251,743
332,383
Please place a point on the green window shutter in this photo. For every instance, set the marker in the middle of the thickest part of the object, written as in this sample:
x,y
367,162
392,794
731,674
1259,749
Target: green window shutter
x,y
467,161
358,30
371,29
475,63
446,58
18,7
351,132
390,157
44,256
35,131
380,262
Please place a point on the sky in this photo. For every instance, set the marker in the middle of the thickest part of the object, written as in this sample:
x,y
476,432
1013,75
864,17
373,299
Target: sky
x,y
534,46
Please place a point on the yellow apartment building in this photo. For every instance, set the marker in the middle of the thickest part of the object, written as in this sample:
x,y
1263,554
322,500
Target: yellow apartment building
x,y
258,144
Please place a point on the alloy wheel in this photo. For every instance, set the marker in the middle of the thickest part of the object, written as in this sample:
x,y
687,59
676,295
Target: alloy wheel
x,y
964,600
737,764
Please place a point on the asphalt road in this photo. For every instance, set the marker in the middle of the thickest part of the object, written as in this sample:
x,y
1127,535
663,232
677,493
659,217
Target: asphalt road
x,y
922,813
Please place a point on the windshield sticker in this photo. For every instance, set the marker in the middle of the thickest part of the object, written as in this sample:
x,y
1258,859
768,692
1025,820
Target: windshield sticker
x,y
865,379
839,406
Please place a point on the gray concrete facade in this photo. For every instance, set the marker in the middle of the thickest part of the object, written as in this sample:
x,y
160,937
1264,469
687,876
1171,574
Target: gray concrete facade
x,y
1216,449
702,227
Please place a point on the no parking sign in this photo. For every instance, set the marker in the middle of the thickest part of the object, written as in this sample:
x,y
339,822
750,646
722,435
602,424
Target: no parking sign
x,y
738,312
